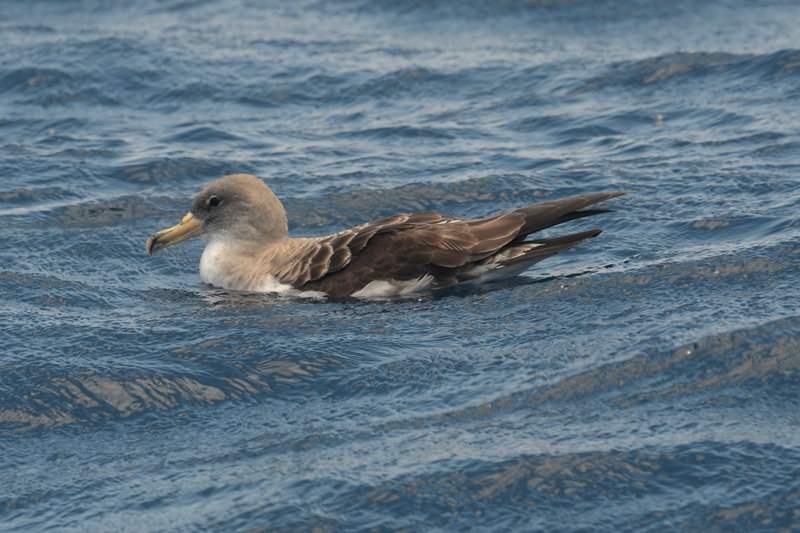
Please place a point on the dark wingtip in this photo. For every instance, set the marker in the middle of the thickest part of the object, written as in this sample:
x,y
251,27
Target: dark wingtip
x,y
570,240
616,194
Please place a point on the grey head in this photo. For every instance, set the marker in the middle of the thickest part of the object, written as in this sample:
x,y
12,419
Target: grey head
x,y
239,208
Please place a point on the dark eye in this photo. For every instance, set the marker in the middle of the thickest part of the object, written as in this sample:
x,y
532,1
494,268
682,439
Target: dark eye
x,y
213,201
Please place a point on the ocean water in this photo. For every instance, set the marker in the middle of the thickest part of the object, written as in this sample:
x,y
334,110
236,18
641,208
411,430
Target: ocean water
x,y
645,381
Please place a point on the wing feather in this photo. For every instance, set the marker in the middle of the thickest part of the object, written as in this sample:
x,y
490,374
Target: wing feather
x,y
409,246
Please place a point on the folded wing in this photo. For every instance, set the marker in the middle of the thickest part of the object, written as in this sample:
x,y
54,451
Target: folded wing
x,y
413,246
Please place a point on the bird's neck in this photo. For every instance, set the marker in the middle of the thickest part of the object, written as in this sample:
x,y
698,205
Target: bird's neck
x,y
235,263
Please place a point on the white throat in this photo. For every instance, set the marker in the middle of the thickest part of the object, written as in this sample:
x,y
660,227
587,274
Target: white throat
x,y
214,266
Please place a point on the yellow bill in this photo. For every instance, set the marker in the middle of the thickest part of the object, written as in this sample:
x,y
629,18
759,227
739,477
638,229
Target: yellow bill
x,y
188,228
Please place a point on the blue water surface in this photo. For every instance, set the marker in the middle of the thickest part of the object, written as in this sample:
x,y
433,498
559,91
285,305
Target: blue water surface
x,y
644,381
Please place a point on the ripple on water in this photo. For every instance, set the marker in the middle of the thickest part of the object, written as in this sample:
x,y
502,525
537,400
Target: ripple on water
x,y
643,381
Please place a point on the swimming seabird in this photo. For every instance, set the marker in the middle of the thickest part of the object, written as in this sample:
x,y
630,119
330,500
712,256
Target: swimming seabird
x,y
249,248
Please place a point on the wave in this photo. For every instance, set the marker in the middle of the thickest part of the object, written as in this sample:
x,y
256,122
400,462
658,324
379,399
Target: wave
x,y
697,66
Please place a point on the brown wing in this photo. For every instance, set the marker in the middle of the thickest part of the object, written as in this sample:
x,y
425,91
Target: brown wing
x,y
325,255
549,214
407,247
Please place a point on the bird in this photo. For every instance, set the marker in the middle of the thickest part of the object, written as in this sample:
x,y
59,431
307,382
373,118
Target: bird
x,y
249,248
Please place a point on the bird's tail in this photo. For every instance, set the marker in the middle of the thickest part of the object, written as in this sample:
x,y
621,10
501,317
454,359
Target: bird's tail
x,y
544,248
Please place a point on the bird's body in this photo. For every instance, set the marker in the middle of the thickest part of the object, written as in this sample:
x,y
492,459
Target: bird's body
x,y
249,248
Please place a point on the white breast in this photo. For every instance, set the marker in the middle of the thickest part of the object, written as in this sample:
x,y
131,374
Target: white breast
x,y
212,265
220,266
